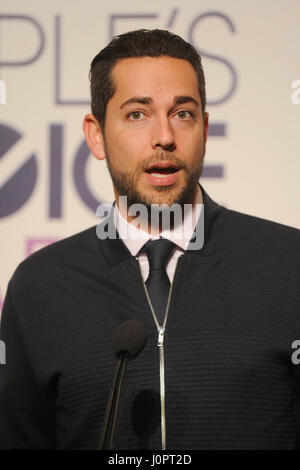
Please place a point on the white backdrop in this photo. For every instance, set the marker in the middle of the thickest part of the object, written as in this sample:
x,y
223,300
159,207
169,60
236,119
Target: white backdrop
x,y
251,59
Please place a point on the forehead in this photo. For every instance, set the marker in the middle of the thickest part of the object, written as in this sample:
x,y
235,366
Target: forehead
x,y
150,76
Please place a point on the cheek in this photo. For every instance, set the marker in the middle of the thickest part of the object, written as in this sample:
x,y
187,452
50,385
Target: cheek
x,y
125,150
188,132
134,144
193,147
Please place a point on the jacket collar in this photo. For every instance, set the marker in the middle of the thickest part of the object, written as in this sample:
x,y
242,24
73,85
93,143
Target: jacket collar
x,y
115,251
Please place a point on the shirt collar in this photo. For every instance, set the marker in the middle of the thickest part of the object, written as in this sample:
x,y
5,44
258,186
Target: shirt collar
x,y
134,238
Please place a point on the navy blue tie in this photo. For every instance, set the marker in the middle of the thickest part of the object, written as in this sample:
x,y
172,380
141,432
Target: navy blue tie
x,y
157,283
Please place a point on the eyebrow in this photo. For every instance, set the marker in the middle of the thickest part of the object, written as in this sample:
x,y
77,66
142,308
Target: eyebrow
x,y
148,100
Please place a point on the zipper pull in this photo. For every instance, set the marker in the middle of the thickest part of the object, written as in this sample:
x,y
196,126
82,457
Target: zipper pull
x,y
161,332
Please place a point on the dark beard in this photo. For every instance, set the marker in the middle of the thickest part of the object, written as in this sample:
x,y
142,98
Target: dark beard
x,y
125,184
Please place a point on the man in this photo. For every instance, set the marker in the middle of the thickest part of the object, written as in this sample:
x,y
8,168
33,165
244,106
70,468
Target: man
x,y
217,370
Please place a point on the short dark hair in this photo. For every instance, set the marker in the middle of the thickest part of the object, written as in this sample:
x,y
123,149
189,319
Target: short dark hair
x,y
139,43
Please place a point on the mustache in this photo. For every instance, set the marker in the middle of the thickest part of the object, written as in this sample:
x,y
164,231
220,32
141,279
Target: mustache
x,y
162,157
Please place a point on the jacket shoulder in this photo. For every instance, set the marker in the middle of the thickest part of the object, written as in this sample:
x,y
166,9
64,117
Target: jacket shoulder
x,y
262,231
47,261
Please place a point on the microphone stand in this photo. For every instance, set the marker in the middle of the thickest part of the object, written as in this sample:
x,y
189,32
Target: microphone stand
x,y
111,413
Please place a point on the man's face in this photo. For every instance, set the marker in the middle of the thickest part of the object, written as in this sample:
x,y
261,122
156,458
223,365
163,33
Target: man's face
x,y
155,118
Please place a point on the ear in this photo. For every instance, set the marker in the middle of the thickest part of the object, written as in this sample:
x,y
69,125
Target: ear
x,y
94,136
205,130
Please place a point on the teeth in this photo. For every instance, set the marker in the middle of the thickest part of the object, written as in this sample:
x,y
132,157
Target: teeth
x,y
160,175
162,170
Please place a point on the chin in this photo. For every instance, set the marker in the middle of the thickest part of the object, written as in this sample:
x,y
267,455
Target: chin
x,y
161,195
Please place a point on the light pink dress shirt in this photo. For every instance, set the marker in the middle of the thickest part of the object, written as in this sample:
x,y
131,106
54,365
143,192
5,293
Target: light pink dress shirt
x,y
134,238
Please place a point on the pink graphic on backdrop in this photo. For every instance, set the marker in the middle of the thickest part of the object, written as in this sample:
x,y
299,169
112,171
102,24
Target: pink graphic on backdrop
x,y
34,244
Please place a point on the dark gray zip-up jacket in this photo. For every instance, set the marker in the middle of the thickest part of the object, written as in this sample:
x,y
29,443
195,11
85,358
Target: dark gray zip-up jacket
x,y
231,379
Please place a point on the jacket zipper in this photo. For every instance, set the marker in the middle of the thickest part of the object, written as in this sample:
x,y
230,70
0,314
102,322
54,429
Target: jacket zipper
x,y
160,344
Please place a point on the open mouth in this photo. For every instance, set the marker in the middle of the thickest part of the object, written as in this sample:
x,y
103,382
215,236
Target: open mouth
x,y
161,172
162,169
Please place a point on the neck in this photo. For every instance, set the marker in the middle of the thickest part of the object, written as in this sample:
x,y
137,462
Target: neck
x,y
153,221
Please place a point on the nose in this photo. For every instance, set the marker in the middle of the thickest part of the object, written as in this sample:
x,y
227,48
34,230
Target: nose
x,y
163,134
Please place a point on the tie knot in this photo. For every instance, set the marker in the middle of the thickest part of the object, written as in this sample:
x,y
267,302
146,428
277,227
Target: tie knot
x,y
158,252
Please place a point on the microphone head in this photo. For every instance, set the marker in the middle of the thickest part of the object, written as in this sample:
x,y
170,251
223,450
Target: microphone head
x,y
129,337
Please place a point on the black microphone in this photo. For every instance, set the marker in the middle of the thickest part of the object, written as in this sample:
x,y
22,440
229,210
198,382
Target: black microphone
x,y
129,340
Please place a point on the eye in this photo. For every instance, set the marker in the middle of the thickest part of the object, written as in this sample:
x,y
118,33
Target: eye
x,y
135,115
185,114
